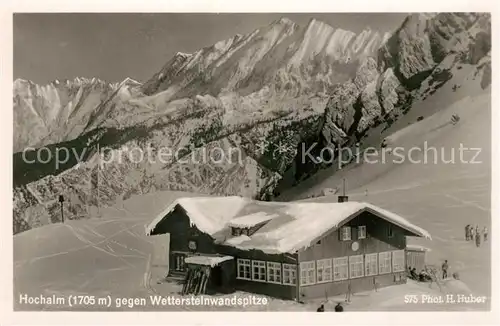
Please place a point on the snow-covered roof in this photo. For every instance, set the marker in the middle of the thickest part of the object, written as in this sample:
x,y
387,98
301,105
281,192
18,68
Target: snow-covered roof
x,y
415,247
207,260
291,226
209,214
237,240
251,219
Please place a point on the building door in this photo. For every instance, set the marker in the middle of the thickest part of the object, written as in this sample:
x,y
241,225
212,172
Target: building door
x,y
217,276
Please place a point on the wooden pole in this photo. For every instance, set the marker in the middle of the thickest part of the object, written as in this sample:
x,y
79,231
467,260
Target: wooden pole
x,y
97,176
297,280
61,201
62,213
348,294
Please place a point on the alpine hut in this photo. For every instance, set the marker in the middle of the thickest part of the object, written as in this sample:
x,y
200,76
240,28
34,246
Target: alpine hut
x,y
289,250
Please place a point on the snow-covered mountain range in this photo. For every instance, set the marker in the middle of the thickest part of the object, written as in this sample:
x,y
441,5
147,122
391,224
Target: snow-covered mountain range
x,y
61,110
264,93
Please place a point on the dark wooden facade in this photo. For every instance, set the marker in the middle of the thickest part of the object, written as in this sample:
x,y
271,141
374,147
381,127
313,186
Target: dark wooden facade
x,y
181,232
377,240
381,236
276,290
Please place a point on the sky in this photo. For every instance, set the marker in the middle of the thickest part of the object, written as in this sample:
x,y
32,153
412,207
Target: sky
x,y
115,46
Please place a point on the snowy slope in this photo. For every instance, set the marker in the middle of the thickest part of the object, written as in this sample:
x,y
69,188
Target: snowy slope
x,y
111,255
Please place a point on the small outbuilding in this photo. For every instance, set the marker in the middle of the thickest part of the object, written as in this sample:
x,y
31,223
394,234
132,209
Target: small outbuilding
x,y
416,256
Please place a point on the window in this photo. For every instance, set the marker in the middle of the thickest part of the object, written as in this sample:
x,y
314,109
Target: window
x,y
179,264
356,266
345,233
324,270
307,273
390,232
244,269
289,274
371,267
398,261
239,231
340,269
384,262
259,270
273,272
362,232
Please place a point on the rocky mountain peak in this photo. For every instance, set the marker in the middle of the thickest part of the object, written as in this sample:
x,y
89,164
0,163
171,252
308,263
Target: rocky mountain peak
x,y
314,53
283,21
183,54
129,82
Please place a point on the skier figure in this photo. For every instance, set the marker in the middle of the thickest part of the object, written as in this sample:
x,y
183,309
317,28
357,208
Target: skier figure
x,y
444,267
471,235
455,118
467,232
485,233
339,308
478,239
321,308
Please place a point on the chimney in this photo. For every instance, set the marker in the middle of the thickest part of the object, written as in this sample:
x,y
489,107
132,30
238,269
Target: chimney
x,y
343,198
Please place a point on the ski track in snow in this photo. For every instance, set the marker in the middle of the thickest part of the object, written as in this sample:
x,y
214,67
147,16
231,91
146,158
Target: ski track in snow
x,y
468,203
83,240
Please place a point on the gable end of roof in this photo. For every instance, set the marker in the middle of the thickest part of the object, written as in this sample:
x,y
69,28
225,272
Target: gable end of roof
x,y
160,217
415,230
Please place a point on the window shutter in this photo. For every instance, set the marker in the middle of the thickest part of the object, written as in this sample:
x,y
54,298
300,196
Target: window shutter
x,y
354,233
339,231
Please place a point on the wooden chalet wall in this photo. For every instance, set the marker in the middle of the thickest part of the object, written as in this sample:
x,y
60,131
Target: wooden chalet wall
x,y
181,232
331,246
281,291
